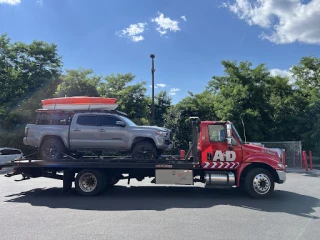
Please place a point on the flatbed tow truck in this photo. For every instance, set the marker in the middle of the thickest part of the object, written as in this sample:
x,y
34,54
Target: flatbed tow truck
x,y
217,157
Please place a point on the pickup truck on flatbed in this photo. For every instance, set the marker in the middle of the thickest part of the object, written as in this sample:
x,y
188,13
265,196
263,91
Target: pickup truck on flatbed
x,y
59,132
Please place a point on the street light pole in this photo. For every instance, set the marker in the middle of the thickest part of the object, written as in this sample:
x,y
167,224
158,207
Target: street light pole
x,y
152,56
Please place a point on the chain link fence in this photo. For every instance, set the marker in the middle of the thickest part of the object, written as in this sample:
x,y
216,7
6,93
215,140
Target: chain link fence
x,y
293,151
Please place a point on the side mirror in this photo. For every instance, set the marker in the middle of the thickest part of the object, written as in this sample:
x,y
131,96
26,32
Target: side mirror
x,y
120,124
229,130
229,134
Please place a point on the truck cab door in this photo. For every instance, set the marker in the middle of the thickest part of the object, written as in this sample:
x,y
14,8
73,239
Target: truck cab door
x,y
111,134
84,131
215,151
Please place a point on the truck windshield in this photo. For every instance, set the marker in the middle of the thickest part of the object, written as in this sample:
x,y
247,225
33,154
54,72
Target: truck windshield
x,y
129,122
237,134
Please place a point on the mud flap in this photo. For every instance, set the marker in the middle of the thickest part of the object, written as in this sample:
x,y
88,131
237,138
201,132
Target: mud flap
x,y
68,178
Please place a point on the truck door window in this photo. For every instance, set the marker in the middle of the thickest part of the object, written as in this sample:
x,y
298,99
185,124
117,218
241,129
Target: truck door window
x,y
87,120
108,120
217,133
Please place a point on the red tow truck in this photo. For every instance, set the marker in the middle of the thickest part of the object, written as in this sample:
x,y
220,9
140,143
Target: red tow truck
x,y
217,157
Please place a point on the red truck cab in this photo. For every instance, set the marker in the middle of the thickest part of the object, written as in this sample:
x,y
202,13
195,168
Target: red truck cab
x,y
222,150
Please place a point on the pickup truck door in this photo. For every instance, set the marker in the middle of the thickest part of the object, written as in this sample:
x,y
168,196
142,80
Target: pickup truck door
x,y
216,153
84,131
111,135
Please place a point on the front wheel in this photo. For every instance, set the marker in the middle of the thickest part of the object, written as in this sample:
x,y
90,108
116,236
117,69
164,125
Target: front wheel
x,y
144,151
259,183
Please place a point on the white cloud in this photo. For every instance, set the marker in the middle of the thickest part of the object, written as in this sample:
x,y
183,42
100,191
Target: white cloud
x,y
40,2
11,2
165,24
137,38
184,18
286,21
133,32
283,73
162,85
173,91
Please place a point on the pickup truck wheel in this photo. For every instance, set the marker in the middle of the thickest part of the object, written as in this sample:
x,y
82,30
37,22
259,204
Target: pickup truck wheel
x,y
51,149
259,183
90,182
144,151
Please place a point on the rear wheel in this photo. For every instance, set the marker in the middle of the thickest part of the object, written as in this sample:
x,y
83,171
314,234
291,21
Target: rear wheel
x,y
144,151
259,183
90,182
52,149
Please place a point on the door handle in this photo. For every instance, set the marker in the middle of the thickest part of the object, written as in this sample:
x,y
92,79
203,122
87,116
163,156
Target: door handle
x,y
102,130
76,130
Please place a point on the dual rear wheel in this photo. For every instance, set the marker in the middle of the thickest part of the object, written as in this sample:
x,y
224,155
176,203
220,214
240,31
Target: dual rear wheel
x,y
90,182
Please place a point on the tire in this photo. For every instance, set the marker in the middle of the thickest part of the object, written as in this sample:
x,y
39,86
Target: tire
x,y
90,182
52,149
259,183
144,151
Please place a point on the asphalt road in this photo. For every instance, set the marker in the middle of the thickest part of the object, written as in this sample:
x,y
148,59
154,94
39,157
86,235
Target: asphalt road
x,y
36,209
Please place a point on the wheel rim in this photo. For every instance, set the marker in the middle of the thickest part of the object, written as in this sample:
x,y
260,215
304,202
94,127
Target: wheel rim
x,y
88,182
261,183
145,153
51,151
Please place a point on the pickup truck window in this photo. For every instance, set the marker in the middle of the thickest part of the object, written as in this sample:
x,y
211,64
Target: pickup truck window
x,y
108,120
53,119
87,120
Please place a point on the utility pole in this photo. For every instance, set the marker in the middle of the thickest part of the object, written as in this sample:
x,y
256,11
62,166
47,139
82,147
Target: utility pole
x,y
152,56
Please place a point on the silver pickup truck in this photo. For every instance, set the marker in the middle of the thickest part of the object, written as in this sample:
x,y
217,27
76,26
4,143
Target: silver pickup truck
x,y
59,133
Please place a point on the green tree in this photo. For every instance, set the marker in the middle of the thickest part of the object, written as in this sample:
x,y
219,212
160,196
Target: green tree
x,y
161,105
131,97
80,82
307,74
177,117
241,94
24,70
28,73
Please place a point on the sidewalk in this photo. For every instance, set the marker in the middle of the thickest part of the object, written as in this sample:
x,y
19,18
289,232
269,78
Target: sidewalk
x,y
303,170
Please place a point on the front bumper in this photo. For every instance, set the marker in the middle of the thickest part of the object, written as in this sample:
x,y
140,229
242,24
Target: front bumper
x,y
164,144
281,175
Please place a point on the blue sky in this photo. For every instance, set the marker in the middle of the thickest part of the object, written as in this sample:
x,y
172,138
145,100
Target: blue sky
x,y
98,35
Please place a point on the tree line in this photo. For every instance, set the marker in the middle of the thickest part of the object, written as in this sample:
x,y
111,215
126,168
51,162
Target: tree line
x,y
273,108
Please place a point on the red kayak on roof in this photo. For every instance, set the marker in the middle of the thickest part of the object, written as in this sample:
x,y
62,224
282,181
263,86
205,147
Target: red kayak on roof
x,y
80,103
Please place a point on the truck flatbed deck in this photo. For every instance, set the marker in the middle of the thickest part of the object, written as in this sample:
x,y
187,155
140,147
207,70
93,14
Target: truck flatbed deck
x,y
102,163
110,169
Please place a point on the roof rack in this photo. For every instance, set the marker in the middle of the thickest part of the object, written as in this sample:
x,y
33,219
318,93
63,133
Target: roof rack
x,y
82,111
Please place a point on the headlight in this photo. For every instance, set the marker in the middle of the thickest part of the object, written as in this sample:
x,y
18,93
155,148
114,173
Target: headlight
x,y
280,165
161,133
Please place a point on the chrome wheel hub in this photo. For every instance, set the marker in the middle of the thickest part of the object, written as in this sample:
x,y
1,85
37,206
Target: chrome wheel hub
x,y
261,183
87,182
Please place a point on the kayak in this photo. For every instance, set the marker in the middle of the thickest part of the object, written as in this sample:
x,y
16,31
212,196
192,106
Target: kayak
x,y
80,103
